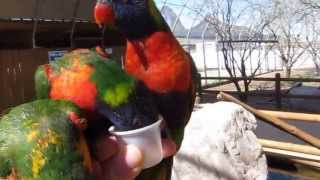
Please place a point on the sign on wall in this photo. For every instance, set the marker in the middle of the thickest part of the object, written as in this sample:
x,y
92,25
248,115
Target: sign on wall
x,y
54,55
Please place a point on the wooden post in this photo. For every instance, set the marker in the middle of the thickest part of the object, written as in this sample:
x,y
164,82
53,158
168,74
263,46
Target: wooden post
x,y
278,90
291,154
293,130
199,84
289,147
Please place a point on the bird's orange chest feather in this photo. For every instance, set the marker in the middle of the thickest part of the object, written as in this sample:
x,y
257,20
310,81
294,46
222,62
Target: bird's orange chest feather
x,y
74,85
160,62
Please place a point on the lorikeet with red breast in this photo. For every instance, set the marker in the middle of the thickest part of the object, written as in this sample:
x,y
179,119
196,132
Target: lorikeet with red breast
x,y
38,140
154,56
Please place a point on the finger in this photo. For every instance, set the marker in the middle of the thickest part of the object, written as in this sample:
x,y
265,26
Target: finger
x,y
105,147
126,165
169,148
129,161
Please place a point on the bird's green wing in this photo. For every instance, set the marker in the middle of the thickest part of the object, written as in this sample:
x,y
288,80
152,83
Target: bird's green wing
x,y
42,85
38,140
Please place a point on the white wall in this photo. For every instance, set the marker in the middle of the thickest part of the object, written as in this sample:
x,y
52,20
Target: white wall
x,y
269,60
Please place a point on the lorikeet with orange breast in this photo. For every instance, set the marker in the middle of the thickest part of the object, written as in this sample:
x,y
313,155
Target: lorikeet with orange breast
x,y
154,56
45,139
99,87
38,140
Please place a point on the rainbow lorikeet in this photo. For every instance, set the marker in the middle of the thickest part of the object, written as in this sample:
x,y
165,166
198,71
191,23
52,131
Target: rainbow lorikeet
x,y
98,86
154,56
38,140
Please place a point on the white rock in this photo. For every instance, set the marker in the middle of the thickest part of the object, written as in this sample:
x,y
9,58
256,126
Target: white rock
x,y
219,143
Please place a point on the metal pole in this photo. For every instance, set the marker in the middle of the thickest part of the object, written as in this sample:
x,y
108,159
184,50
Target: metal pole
x,y
275,60
266,55
103,35
204,52
164,3
179,15
260,69
251,69
194,21
35,24
199,84
278,90
74,22
218,59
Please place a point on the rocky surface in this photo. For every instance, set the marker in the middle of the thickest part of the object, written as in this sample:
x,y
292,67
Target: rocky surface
x,y
219,143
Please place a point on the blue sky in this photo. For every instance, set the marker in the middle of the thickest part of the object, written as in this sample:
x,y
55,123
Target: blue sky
x,y
187,17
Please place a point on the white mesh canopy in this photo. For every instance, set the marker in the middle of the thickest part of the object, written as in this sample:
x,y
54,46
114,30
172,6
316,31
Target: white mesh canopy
x,y
200,25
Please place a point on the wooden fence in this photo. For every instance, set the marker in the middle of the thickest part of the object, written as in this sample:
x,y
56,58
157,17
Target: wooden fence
x,y
17,69
278,92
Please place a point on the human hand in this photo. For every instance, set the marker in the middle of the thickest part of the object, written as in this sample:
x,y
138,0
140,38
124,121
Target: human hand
x,y
122,162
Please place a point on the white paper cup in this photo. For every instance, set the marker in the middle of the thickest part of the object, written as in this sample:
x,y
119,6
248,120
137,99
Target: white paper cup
x,y
147,139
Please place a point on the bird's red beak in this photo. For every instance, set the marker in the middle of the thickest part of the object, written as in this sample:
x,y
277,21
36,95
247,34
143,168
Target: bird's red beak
x,y
78,122
103,14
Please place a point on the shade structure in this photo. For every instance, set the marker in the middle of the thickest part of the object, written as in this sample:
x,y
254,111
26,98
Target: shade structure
x,y
47,9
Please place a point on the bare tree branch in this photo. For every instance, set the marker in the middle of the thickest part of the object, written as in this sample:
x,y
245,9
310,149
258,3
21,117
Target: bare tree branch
x,y
288,28
238,36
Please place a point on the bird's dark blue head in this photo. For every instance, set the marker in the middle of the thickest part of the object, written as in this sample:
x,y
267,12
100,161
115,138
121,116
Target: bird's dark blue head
x,y
132,17
140,110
